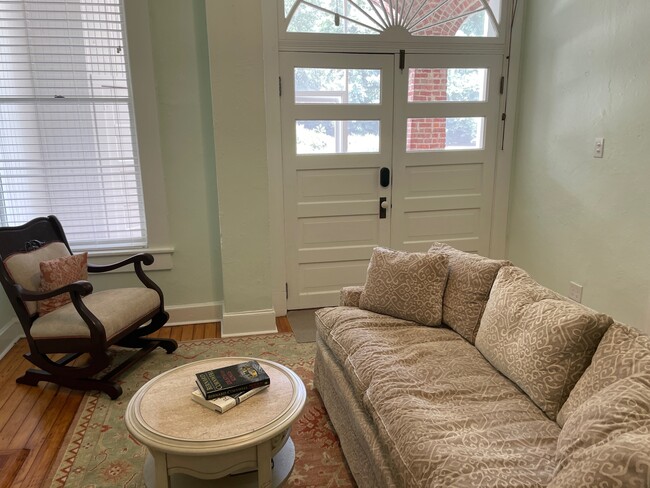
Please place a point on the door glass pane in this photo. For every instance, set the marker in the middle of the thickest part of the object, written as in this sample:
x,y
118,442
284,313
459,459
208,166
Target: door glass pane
x,y
447,85
337,85
337,136
435,134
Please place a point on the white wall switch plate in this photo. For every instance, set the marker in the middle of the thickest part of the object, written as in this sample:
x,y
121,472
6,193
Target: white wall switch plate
x,y
575,292
599,147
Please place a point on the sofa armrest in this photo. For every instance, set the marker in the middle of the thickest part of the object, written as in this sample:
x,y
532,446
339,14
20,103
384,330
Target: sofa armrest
x,y
350,296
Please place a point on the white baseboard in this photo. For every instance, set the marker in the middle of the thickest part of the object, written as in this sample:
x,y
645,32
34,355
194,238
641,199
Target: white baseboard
x,y
194,313
9,334
248,323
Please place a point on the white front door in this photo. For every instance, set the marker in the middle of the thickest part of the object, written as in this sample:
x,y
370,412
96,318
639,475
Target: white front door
x,y
446,132
361,134
337,113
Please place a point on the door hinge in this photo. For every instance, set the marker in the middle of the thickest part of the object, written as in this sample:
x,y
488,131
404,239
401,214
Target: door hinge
x,y
280,85
402,59
502,84
286,290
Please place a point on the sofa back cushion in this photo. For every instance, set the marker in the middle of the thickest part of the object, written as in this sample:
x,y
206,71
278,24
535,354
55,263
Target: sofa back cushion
x,y
622,352
606,441
468,288
539,339
406,285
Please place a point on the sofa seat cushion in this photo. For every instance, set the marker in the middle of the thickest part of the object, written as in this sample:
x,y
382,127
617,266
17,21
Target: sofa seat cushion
x,y
444,414
539,339
65,322
347,329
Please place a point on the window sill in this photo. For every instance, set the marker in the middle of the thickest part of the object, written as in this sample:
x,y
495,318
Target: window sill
x,y
162,258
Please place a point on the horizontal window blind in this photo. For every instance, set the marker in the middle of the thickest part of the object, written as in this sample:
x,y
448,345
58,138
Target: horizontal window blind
x,y
67,136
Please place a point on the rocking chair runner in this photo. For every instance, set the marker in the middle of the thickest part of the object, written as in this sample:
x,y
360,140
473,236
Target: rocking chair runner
x,y
90,324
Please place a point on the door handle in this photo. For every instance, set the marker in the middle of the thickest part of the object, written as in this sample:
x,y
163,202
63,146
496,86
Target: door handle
x,y
384,177
383,205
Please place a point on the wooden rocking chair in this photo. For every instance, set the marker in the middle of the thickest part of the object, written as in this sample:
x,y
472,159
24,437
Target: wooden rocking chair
x,y
90,324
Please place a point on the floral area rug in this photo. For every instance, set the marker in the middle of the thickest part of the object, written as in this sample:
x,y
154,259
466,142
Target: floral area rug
x,y
100,452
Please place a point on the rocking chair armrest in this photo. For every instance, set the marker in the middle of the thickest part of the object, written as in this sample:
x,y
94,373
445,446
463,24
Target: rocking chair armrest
x,y
142,257
137,260
81,287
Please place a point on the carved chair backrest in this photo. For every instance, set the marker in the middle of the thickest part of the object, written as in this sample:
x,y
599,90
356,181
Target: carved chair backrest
x,y
22,248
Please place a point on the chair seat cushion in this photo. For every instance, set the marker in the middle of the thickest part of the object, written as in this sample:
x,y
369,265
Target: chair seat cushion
x,y
116,310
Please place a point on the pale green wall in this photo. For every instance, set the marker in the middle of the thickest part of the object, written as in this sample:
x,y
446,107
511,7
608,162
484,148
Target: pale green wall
x,y
181,71
585,74
237,75
182,77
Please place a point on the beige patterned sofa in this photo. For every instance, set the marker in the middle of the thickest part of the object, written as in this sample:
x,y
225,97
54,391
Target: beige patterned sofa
x,y
507,385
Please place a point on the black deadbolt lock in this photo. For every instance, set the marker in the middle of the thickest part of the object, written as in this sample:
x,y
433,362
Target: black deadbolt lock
x,y
384,177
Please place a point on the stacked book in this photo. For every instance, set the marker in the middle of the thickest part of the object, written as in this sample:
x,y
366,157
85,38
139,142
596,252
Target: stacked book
x,y
223,388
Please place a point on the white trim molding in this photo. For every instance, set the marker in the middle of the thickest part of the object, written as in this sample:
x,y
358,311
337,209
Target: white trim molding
x,y
9,335
194,313
248,323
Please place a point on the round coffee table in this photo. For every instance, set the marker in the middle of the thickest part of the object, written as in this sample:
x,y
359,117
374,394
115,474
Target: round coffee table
x,y
187,442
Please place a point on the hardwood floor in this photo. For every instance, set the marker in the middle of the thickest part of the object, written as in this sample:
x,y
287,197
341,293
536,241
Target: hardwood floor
x,y
34,420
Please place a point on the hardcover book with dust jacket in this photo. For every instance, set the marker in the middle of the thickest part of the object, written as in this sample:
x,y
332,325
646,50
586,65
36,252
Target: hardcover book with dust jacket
x,y
231,379
225,403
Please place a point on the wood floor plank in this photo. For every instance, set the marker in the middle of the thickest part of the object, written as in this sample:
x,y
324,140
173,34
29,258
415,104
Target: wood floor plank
x,y
164,332
10,463
32,418
176,333
13,403
187,332
40,464
199,331
283,325
210,331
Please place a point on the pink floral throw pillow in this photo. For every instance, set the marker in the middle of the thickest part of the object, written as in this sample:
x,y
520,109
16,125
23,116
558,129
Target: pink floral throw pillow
x,y
60,272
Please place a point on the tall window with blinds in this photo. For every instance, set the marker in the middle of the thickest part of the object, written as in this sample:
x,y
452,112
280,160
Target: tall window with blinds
x,y
67,132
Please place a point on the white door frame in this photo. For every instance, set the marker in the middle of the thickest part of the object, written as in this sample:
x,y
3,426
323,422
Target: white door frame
x,y
504,160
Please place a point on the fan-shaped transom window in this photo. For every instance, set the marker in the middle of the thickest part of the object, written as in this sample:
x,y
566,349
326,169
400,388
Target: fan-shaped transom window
x,y
423,18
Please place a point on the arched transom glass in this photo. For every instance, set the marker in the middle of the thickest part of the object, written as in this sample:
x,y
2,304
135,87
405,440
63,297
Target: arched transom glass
x,y
424,18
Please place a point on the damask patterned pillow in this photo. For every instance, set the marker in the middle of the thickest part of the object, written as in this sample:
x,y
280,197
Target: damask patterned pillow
x,y
539,339
622,352
468,288
56,273
606,442
405,285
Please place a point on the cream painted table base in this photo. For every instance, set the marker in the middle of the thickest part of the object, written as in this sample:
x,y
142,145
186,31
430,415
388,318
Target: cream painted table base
x,y
189,444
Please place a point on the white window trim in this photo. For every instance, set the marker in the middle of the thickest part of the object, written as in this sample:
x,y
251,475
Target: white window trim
x,y
145,106
162,258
